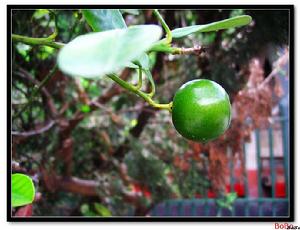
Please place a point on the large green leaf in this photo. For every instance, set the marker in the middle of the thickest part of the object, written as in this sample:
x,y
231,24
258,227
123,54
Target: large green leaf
x,y
96,54
101,20
215,26
22,190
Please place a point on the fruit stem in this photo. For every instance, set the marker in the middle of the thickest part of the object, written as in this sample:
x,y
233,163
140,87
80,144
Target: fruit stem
x,y
140,82
136,91
152,84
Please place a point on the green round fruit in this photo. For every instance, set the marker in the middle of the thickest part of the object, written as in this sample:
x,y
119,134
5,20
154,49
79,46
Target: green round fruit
x,y
201,110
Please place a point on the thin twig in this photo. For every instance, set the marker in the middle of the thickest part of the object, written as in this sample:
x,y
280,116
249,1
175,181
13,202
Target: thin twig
x,y
279,64
196,50
34,132
143,95
37,41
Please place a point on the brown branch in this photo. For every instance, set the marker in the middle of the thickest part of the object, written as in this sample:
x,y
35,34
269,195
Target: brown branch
x,y
78,186
65,147
89,188
281,61
36,131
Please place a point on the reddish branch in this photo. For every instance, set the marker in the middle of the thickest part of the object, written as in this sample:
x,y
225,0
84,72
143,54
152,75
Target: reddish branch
x,y
83,187
78,186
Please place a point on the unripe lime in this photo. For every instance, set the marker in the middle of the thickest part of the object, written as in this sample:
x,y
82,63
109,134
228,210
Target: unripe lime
x,y
201,110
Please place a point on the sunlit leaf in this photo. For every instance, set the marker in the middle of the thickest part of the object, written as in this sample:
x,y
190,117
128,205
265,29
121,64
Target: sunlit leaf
x,y
231,197
22,190
102,210
215,26
96,54
84,83
101,20
85,108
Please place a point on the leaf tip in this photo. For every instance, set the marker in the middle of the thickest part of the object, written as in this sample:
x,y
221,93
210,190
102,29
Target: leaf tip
x,y
249,18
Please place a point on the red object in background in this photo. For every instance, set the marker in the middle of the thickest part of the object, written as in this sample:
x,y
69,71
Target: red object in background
x,y
136,188
280,189
146,193
238,188
142,189
252,184
24,211
211,194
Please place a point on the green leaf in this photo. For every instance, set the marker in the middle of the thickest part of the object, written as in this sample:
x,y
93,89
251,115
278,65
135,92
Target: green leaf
x,y
85,108
101,20
22,190
84,83
85,210
231,197
96,54
102,210
142,61
215,26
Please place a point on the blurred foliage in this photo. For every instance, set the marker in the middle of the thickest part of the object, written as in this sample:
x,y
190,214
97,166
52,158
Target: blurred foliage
x,y
156,160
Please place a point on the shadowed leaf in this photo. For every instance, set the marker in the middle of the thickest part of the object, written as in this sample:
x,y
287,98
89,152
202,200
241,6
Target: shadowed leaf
x,y
215,26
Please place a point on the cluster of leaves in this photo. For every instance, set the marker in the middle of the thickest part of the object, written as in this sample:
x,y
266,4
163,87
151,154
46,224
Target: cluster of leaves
x,y
158,163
